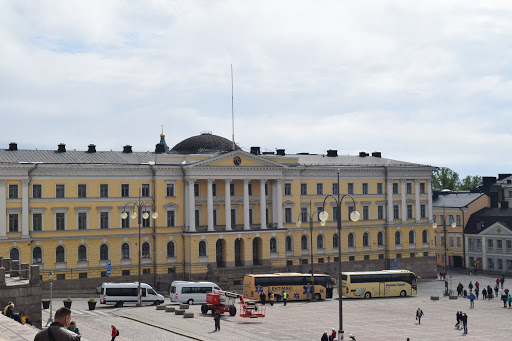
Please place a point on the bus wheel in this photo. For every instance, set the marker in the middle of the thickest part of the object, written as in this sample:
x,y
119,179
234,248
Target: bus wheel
x,y
318,297
367,295
232,310
403,293
204,308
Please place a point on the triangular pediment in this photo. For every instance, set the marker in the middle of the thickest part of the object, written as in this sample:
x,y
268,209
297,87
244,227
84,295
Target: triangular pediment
x,y
496,229
237,159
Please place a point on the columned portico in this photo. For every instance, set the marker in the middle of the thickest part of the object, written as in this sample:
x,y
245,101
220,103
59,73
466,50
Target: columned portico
x,y
191,206
227,203
263,213
3,210
247,226
417,204
24,209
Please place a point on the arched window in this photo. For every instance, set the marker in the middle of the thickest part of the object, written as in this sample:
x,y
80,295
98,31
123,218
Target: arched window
x,y
104,252
380,239
171,249
273,244
202,248
424,235
350,240
14,254
412,240
304,242
37,255
289,243
320,241
60,254
366,239
145,250
398,238
82,253
335,241
125,251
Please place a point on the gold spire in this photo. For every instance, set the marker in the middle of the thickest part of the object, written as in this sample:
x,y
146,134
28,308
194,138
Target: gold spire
x,y
162,134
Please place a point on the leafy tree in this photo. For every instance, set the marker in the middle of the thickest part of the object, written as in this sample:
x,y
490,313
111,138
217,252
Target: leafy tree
x,y
470,182
445,178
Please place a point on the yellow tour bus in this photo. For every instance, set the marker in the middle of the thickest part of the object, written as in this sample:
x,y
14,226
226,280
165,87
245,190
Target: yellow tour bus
x,y
385,283
298,286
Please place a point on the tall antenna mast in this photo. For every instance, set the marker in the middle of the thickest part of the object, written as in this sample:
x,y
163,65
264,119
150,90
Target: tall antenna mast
x,y
232,108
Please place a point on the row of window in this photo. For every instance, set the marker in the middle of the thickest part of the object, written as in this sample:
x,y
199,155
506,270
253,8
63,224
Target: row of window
x,y
442,219
492,245
350,188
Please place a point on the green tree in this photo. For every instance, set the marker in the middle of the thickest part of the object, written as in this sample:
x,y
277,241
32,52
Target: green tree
x,y
470,182
445,178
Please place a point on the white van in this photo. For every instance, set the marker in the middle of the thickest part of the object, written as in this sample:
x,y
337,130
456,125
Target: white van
x,y
121,293
191,292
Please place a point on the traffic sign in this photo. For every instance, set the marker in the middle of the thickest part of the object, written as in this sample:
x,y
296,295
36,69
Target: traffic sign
x,y
108,267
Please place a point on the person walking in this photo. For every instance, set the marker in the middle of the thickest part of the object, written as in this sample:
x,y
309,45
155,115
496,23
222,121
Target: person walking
x,y
477,285
324,336
509,299
271,298
484,294
458,316
285,297
477,292
471,300
419,314
58,331
115,332
216,318
502,280
496,289
464,319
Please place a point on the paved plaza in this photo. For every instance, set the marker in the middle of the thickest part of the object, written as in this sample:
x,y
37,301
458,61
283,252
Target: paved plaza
x,y
373,319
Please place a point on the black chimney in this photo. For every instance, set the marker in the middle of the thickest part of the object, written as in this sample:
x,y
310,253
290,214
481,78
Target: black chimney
x,y
62,148
280,152
127,149
255,150
13,146
92,148
332,153
363,154
159,148
376,154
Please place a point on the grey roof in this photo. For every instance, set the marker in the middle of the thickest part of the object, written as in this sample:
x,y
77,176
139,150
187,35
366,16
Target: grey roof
x,y
456,199
74,157
487,217
352,160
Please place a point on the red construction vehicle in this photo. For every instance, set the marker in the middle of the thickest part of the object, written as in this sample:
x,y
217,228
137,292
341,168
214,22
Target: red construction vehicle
x,y
224,301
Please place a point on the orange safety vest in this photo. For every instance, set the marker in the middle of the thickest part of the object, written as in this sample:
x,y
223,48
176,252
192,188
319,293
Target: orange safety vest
x,y
271,297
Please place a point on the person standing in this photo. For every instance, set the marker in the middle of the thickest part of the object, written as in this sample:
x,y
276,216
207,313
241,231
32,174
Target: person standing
x,y
458,316
271,298
509,299
333,335
58,329
324,336
464,319
263,298
115,332
419,314
216,318
476,292
484,294
489,292
477,285
285,297
470,286
471,300
502,280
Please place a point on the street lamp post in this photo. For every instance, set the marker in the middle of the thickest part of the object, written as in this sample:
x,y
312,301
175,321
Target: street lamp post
x,y
310,216
354,216
140,206
453,225
50,319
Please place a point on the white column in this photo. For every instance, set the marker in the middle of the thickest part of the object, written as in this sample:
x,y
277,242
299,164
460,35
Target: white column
x,y
484,254
279,197
263,205
389,194
25,233
192,206
417,204
430,208
274,202
246,205
3,209
403,210
209,203
227,203
186,212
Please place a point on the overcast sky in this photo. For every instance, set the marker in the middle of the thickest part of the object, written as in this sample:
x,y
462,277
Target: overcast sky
x,y
420,81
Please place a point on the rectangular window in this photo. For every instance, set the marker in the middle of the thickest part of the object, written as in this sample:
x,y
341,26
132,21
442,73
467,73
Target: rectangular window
x,y
37,191
196,217
82,221
266,189
380,212
366,257
351,258
214,190
350,209
450,219
380,187
381,256
409,188
146,271
365,188
82,191
334,214
60,221
423,211
396,212
146,222
103,190
287,214
422,188
350,188
171,219
412,255
13,223
196,190
232,190
146,190
409,212
59,191
250,216
319,189
125,272
61,277
434,218
459,242
458,220
398,255
303,189
170,190
125,190
233,217
13,191
450,241
82,275
37,222
249,189
366,212
103,274
215,218
304,214
125,223
104,220
395,188
287,189
335,188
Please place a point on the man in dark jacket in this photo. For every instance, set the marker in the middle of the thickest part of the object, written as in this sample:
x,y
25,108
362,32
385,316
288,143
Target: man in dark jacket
x,y
464,319
58,329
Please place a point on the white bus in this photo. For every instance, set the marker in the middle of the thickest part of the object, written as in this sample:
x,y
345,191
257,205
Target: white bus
x,y
191,292
121,293
383,283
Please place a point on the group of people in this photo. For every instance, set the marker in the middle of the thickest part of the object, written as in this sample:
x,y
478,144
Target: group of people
x,y
462,318
326,337
19,317
272,297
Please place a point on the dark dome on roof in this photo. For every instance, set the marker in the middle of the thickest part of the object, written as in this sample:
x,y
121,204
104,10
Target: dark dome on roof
x,y
204,144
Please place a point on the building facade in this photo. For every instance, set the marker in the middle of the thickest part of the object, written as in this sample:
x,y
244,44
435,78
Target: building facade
x,y
222,212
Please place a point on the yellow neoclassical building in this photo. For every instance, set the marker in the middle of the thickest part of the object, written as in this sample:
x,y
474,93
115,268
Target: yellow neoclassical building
x,y
222,211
